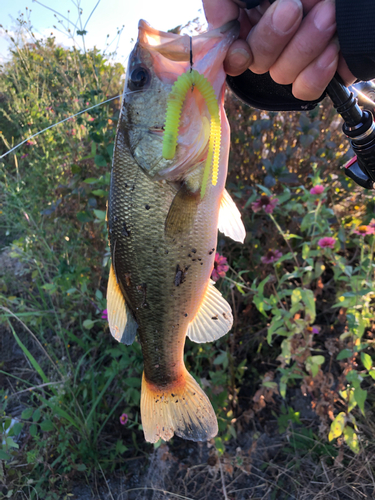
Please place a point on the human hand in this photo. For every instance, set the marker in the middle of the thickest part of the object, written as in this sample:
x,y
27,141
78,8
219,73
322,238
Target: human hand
x,y
295,40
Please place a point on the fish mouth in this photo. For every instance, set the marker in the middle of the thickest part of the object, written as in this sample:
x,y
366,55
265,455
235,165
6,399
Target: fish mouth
x,y
158,131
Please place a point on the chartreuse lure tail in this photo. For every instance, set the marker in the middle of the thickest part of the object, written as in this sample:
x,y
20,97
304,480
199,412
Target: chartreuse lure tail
x,y
186,81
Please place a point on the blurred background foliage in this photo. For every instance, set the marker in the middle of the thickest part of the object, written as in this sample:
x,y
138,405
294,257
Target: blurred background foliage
x,y
303,312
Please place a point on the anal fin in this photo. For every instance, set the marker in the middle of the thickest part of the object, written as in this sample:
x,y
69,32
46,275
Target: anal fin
x,y
230,222
213,319
181,408
122,325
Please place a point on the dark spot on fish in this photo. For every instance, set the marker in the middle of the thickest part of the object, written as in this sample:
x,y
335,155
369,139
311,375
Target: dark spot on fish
x,y
225,316
133,187
143,288
194,250
147,207
199,259
210,252
189,255
166,252
176,401
157,401
193,393
115,218
215,317
126,185
125,231
201,263
185,315
180,275
193,260
172,394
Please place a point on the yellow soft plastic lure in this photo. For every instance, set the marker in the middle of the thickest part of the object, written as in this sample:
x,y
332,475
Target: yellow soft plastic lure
x,y
186,81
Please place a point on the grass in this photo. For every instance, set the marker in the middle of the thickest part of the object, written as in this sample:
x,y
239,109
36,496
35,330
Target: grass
x,y
294,404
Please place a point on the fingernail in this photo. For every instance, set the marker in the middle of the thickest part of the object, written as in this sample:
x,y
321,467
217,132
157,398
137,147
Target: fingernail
x,y
325,16
286,14
239,57
329,56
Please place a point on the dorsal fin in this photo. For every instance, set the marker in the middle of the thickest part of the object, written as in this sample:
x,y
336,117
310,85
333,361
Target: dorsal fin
x,y
230,222
213,319
122,325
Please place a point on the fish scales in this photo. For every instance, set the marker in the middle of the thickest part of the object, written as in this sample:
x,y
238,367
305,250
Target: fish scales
x,y
163,309
163,234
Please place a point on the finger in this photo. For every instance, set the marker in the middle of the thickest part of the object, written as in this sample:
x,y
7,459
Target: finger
x,y
219,15
308,5
345,72
273,32
311,39
313,80
238,59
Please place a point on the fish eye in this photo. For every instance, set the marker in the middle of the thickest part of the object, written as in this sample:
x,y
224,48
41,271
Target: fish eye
x,y
139,77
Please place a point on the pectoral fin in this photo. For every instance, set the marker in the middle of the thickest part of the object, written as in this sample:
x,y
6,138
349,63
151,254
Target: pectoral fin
x,y
122,325
214,318
182,212
230,222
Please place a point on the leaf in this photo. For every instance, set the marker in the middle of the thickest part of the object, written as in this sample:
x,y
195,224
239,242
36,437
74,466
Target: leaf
x,y
81,467
99,192
337,426
88,324
296,296
84,217
36,415
133,382
309,300
100,161
360,396
345,353
366,361
219,445
33,430
10,443
30,357
100,214
47,425
4,455
351,439
275,325
26,414
352,403
16,429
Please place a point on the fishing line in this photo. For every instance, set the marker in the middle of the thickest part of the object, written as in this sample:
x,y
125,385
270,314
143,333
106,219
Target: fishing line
x,y
55,124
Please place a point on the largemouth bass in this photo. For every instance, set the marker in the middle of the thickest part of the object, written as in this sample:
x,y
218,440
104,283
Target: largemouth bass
x,y
163,234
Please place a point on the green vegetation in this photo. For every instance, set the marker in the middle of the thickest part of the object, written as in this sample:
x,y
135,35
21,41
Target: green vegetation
x,y
301,287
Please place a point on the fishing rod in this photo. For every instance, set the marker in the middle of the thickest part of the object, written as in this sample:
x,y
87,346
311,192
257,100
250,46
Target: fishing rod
x,y
261,92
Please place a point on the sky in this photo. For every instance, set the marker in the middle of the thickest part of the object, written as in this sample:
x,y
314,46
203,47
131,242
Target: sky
x,y
108,17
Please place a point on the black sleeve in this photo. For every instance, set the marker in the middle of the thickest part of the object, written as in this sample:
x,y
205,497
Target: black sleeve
x,y
356,31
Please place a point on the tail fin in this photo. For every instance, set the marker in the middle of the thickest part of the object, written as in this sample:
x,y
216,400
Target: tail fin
x,y
182,409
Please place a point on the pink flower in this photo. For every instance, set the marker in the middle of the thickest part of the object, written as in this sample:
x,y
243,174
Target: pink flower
x,y
363,230
123,419
265,202
105,314
220,267
24,156
318,189
327,242
271,256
